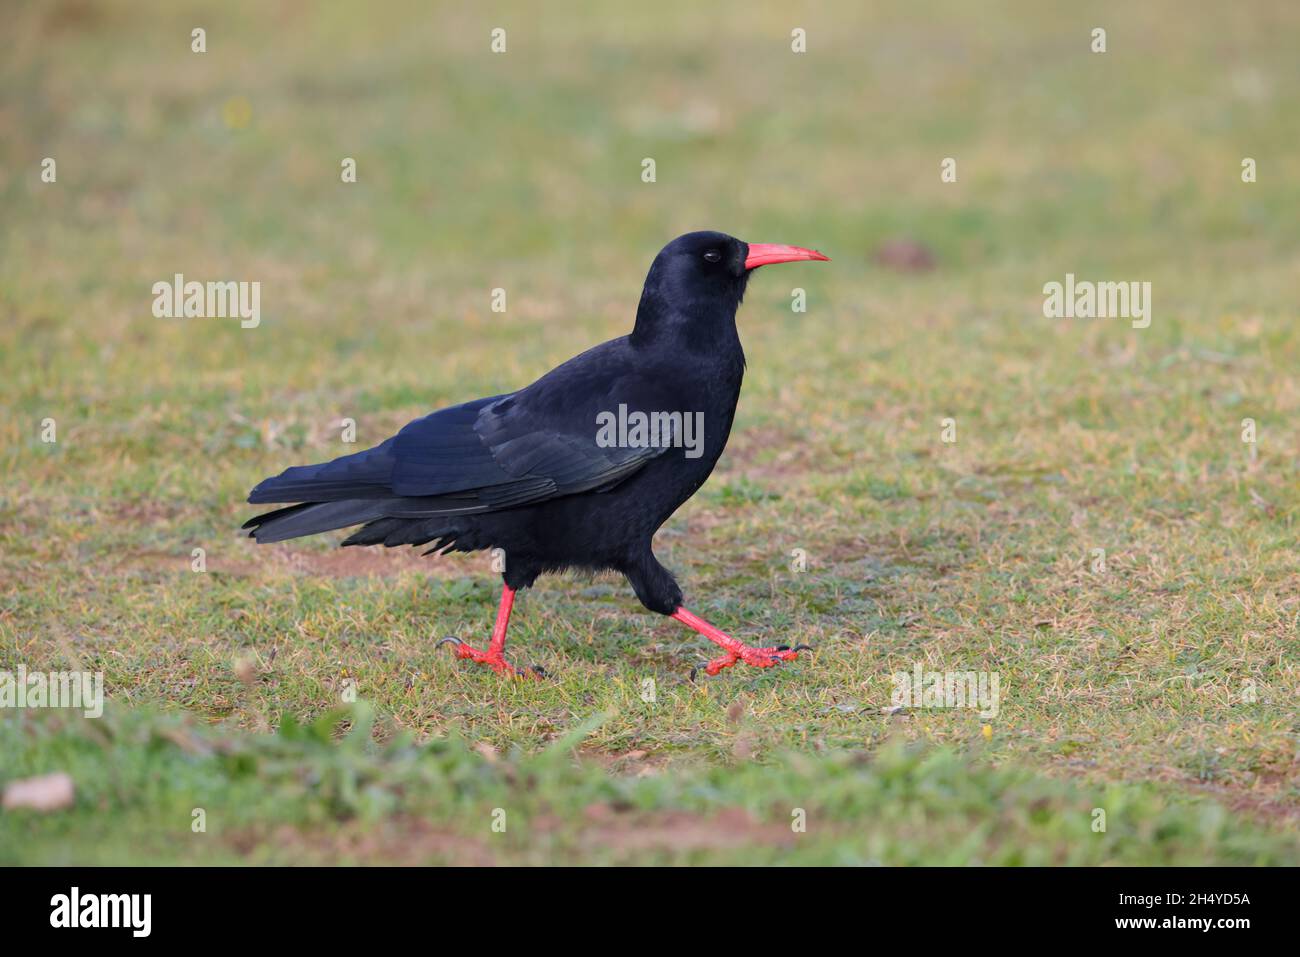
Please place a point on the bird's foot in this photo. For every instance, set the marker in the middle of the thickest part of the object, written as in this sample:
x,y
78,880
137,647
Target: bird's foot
x,y
493,658
734,650
757,657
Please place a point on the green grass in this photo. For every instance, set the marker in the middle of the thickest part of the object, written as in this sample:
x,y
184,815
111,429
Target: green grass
x,y
179,793
1164,686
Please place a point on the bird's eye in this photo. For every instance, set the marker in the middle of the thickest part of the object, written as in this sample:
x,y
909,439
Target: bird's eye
x,y
713,256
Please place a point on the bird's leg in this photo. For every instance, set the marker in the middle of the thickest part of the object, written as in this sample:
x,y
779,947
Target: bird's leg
x,y
494,657
736,650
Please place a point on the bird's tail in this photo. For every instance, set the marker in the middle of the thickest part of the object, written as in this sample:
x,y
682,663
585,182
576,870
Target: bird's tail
x,y
311,518
391,532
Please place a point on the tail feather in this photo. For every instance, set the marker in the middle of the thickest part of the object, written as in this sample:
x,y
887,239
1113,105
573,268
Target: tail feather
x,y
375,532
311,518
391,532
365,474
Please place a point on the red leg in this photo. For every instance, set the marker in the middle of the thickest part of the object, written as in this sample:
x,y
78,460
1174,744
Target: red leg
x,y
736,650
494,657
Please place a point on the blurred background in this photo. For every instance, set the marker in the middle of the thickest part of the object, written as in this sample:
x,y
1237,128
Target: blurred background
x,y
523,170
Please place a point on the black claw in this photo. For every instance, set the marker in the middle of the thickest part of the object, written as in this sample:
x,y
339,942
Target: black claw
x,y
782,647
541,672
803,648
450,638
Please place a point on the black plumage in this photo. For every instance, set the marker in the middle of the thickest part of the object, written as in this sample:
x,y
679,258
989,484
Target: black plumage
x,y
525,471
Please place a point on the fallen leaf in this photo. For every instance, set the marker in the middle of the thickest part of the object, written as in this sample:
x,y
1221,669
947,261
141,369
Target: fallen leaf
x,y
49,792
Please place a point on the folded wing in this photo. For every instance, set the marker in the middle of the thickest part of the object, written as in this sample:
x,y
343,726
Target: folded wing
x,y
490,454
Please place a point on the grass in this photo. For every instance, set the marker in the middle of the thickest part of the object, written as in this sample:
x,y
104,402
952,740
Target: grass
x,y
1162,684
175,792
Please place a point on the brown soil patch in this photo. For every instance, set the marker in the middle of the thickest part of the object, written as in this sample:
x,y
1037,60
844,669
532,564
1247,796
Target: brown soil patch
x,y
400,841
744,449
905,255
409,841
679,831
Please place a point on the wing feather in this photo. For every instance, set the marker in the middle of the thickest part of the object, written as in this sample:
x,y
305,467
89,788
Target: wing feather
x,y
500,452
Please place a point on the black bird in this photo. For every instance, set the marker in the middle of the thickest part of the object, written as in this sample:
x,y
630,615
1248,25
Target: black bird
x,y
579,469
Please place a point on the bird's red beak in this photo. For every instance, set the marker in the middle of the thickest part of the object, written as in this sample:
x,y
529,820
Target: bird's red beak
x,y
765,254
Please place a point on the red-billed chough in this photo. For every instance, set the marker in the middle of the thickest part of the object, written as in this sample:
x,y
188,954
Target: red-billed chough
x,y
579,469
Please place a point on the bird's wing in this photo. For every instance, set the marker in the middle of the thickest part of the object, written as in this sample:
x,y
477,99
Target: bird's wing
x,y
493,453
514,452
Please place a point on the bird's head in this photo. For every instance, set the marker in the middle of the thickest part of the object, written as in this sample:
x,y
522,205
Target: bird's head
x,y
697,281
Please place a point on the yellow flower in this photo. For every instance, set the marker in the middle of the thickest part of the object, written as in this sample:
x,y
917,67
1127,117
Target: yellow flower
x,y
237,113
